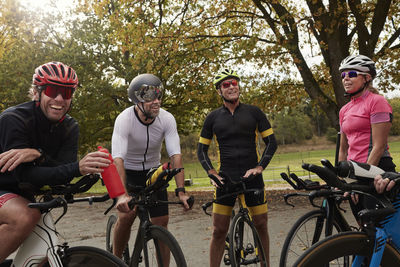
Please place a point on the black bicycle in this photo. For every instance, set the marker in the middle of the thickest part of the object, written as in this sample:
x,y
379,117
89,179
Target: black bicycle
x,y
315,225
377,244
243,244
146,251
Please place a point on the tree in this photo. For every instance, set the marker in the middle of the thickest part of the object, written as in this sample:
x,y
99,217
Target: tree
x,y
180,38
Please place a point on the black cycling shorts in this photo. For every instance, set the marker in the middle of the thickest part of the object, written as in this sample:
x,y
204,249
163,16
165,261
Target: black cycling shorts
x,y
256,204
139,178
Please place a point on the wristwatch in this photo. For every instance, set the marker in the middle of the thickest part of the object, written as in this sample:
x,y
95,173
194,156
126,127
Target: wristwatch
x,y
179,189
41,157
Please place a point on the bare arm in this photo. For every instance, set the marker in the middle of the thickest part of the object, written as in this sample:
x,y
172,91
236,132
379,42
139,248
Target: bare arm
x,y
176,161
122,203
344,146
380,133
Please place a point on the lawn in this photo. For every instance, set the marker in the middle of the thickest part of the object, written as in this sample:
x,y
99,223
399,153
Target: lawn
x,y
282,162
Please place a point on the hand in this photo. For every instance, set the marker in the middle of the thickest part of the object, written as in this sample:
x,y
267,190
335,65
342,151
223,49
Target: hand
x,y
94,162
255,171
354,197
183,197
381,184
218,177
10,159
122,204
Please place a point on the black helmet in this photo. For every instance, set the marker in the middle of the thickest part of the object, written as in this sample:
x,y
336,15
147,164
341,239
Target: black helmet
x,y
144,88
359,62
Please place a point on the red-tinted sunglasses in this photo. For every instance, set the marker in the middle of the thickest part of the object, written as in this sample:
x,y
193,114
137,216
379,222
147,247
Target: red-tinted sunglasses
x,y
227,84
53,91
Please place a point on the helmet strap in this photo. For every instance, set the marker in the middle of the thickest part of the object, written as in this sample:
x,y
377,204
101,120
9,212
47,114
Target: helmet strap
x,y
146,114
358,91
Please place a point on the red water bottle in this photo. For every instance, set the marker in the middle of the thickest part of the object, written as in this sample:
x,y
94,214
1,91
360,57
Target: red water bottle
x,y
111,177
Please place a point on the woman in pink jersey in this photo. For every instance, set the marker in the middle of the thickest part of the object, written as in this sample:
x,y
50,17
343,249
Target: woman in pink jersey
x,y
365,121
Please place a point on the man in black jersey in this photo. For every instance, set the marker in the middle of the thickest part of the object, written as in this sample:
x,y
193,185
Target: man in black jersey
x,y
236,126
38,146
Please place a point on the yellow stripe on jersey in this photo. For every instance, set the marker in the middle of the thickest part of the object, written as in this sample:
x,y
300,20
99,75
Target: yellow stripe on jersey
x,y
267,133
205,141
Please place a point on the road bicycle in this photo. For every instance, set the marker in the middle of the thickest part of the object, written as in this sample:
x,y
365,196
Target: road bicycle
x,y
146,251
243,244
316,224
43,247
378,242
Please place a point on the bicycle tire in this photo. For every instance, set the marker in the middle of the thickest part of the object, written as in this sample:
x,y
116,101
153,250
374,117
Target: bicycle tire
x,y
109,239
303,235
154,235
245,246
83,256
345,244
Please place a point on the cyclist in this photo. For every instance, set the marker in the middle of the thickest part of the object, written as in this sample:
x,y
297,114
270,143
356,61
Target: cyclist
x,y
38,146
137,138
236,126
365,121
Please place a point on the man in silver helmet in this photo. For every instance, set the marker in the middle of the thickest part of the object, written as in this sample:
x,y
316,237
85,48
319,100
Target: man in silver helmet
x,y
137,138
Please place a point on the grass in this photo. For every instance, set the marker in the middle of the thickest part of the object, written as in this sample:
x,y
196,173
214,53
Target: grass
x,y
281,162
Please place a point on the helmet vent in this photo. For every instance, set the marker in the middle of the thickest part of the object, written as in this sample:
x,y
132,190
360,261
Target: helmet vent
x,y
62,70
46,70
55,70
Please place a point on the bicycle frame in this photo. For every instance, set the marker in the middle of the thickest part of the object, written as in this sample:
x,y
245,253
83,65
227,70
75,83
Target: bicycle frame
x,y
42,243
388,229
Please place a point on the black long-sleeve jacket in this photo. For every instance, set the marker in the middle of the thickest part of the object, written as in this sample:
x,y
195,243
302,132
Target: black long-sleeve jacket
x,y
25,126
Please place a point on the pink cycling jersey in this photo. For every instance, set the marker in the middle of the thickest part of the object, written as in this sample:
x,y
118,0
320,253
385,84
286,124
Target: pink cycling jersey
x,y
356,118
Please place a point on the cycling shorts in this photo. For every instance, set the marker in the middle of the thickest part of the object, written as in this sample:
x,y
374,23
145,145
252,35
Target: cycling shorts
x,y
256,204
5,196
139,178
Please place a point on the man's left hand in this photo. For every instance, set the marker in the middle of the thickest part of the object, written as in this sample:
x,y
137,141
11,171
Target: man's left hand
x,y
255,171
10,159
183,197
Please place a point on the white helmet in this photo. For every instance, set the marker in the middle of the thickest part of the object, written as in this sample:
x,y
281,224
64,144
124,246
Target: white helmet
x,y
360,62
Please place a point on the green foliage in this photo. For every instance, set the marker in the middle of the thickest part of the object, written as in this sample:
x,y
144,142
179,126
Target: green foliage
x,y
395,103
331,135
292,127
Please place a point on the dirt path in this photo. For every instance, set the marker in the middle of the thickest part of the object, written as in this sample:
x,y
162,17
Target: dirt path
x,y
85,225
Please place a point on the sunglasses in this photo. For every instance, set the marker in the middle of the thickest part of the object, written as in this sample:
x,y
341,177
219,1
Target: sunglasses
x,y
352,74
150,93
227,84
53,91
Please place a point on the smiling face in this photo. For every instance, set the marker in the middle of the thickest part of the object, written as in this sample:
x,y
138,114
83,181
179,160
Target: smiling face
x,y
352,84
54,108
229,90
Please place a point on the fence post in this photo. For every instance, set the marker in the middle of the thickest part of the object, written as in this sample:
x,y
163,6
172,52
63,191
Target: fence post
x,y
288,170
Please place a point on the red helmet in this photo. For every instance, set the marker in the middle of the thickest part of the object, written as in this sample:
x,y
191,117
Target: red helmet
x,y
56,73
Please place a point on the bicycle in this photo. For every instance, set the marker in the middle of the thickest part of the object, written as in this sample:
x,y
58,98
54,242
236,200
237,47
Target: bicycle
x,y
316,224
43,245
378,242
146,251
242,242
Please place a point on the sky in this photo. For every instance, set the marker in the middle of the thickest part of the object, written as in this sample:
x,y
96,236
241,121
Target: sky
x,y
47,5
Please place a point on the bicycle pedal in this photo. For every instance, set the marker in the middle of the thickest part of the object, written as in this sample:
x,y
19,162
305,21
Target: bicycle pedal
x,y
227,260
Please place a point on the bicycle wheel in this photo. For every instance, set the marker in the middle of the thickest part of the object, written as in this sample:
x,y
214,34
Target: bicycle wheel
x,y
307,230
89,257
339,250
245,247
156,235
110,237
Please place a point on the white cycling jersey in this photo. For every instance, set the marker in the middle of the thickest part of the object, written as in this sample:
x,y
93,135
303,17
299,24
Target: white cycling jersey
x,y
139,144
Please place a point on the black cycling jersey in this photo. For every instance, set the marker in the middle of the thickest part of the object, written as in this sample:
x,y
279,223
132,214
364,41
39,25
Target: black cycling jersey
x,y
25,126
236,137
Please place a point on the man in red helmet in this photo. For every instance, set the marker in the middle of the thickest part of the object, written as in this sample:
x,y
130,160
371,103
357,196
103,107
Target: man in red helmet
x,y
38,146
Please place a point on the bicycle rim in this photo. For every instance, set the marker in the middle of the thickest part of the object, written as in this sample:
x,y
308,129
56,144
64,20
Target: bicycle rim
x,y
90,257
245,247
306,231
110,237
150,255
333,250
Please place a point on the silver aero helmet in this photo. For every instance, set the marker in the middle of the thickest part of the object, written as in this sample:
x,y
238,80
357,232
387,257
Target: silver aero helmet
x,y
145,88
360,63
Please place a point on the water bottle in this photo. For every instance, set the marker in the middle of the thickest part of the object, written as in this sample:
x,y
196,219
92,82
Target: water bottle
x,y
111,177
151,180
